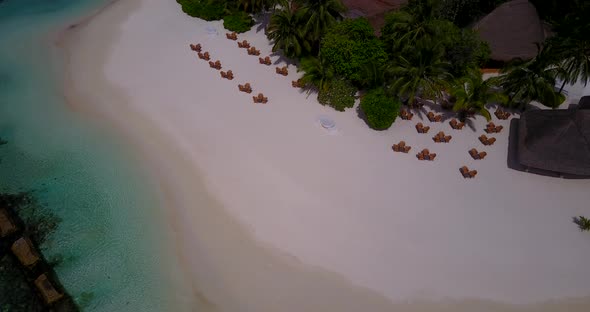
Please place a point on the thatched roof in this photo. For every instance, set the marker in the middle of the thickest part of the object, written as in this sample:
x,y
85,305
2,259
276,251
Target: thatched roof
x,y
7,226
49,293
512,31
24,250
555,140
584,102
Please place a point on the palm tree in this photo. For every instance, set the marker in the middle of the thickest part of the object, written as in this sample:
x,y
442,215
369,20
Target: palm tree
x,y
318,73
572,46
533,80
254,6
320,15
408,25
285,30
471,94
421,75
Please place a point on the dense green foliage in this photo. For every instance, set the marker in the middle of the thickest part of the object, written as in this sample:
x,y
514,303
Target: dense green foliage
x,y
421,75
208,10
582,222
339,94
286,32
471,93
533,80
350,46
571,46
379,109
426,51
464,50
255,6
317,73
238,21
318,16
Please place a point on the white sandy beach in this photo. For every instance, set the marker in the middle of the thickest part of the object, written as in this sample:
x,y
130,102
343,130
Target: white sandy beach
x,y
274,213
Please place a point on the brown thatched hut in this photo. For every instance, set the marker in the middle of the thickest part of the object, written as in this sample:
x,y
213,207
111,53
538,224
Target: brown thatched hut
x,y
24,250
7,226
512,31
47,290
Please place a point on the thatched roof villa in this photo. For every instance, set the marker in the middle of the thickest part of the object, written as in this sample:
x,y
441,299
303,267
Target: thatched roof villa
x,y
47,290
24,250
512,31
553,142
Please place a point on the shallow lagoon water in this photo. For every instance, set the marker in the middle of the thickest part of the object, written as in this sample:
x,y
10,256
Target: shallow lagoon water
x,y
112,240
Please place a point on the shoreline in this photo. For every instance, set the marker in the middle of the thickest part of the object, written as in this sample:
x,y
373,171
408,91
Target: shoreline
x,y
223,256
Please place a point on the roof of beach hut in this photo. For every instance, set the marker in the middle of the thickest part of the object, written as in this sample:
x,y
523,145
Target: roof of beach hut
x,y
512,31
555,140
7,226
47,290
24,250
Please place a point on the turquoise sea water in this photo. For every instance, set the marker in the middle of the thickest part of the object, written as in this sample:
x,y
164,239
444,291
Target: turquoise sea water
x,y
114,255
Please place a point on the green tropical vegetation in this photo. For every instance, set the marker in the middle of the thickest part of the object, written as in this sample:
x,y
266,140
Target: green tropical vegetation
x,y
287,34
532,80
470,94
339,94
425,53
208,10
317,72
351,46
379,109
582,222
421,75
238,21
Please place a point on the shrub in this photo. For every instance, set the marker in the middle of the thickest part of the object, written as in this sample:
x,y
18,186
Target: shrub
x,y
350,46
238,21
339,95
379,109
208,10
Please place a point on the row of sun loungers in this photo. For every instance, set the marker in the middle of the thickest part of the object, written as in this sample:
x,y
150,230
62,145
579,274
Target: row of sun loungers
x,y
253,51
425,154
265,61
297,83
229,75
502,115
245,88
216,64
28,256
204,56
195,47
244,44
421,128
477,155
405,115
467,173
232,36
492,128
401,147
486,141
442,138
434,118
455,124
260,98
282,70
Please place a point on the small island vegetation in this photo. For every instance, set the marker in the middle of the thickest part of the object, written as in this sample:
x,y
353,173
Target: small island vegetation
x,y
425,53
